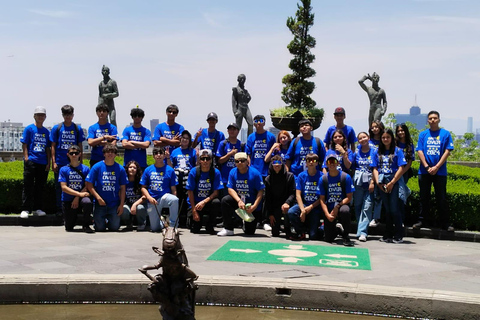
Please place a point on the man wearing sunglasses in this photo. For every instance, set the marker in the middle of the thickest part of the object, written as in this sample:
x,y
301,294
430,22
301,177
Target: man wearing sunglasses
x,y
210,137
167,134
136,139
258,145
245,186
203,188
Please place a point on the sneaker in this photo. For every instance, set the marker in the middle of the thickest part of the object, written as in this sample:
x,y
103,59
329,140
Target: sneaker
x,y
339,228
450,229
347,242
418,225
24,214
373,223
362,238
267,227
39,213
225,232
386,240
397,240
87,229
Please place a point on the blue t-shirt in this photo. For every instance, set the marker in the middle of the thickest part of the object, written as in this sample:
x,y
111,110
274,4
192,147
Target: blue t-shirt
x,y
308,185
107,181
130,195
141,134
246,185
211,140
334,194
37,141
184,158
347,130
373,143
363,160
388,166
73,179
203,188
224,148
65,138
158,181
341,165
403,146
433,144
96,131
257,148
302,148
164,130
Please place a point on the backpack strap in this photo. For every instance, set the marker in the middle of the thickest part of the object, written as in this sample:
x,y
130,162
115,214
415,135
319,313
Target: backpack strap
x,y
77,138
343,180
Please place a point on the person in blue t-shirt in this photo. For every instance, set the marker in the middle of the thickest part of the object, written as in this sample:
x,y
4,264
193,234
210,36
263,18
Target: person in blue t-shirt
x,y
245,191
36,163
210,137
101,134
168,133
135,202
339,116
339,147
203,186
305,215
136,139
63,136
159,187
434,147
226,153
336,192
75,198
258,145
280,147
302,146
388,165
106,183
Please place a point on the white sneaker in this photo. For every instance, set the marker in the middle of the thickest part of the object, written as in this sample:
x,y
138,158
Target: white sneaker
x,y
24,214
362,238
225,232
267,227
39,213
373,223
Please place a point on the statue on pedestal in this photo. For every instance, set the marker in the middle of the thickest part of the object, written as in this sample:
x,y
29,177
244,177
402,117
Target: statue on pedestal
x,y
378,99
240,100
107,90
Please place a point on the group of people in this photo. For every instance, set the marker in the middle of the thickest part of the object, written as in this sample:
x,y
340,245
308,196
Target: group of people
x,y
303,187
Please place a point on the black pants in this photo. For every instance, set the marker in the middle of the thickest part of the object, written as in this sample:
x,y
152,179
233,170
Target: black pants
x,y
211,210
343,218
229,205
278,214
70,215
425,182
34,178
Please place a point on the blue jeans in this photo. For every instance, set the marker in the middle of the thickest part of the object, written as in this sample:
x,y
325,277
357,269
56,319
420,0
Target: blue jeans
x,y
377,203
169,201
393,216
363,201
141,215
105,217
312,221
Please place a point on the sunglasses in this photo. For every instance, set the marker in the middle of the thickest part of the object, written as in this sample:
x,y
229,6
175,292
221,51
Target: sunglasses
x,y
172,111
240,160
74,153
158,153
312,160
277,162
205,159
331,161
259,121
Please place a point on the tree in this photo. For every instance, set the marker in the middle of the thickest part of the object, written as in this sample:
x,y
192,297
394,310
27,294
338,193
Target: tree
x,y
465,149
298,89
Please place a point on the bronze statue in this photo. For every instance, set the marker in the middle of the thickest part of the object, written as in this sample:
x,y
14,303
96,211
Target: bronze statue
x,y
376,96
175,287
240,100
107,90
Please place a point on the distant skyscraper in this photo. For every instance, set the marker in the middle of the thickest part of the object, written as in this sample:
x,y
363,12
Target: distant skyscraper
x,y
470,125
153,124
415,116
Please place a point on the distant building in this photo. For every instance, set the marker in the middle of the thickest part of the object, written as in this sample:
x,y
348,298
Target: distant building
x,y
243,134
415,116
274,130
470,125
153,124
10,134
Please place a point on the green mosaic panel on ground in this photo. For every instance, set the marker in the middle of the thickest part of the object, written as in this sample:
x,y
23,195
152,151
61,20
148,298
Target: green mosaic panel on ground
x,y
293,254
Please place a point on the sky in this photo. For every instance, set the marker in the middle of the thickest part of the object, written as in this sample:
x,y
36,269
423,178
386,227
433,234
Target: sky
x,y
189,53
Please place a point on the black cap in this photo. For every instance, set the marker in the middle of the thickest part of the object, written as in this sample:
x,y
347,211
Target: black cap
x,y
212,115
305,121
233,124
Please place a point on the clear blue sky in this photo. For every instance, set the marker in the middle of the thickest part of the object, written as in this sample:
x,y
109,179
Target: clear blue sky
x,y
190,53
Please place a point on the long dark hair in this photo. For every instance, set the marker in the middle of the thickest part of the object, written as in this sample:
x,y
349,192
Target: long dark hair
x,y
380,125
408,141
137,177
382,148
344,144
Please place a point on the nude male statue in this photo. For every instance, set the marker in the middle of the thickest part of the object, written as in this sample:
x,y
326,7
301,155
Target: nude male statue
x,y
376,96
240,100
107,90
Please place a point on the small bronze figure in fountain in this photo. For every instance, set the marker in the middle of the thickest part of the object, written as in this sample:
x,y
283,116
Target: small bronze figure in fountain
x,y
175,287
240,100
376,96
107,90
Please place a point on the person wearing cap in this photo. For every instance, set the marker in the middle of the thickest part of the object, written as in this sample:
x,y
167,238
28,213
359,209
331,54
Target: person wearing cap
x,y
136,139
258,145
210,137
245,191
279,195
62,136
203,186
302,146
106,182
100,134
75,197
167,134
336,192
159,187
226,153
339,116
305,215
36,163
